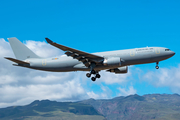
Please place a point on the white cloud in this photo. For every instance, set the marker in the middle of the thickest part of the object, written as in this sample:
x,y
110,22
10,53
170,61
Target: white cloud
x,y
165,77
4,48
21,95
111,78
43,49
93,95
105,94
126,92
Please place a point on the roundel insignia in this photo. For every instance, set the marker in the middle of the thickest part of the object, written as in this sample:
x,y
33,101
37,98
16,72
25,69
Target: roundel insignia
x,y
44,62
157,50
132,53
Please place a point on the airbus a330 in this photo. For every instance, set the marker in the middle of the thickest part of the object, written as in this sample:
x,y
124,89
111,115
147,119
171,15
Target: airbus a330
x,y
75,60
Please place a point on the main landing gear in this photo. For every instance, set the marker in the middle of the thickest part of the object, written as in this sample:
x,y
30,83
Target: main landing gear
x,y
97,75
157,67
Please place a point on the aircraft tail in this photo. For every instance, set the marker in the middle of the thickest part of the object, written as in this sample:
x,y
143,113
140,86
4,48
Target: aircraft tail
x,y
20,50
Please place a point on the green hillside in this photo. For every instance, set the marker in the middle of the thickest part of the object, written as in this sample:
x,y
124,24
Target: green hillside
x,y
133,107
50,110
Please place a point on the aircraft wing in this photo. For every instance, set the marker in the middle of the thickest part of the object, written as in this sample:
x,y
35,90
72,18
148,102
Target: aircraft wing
x,y
77,54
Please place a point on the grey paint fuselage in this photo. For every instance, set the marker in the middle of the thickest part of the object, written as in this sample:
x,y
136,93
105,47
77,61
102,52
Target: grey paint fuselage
x,y
128,57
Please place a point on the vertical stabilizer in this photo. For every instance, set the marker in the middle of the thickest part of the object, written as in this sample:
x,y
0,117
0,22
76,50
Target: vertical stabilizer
x,y
21,51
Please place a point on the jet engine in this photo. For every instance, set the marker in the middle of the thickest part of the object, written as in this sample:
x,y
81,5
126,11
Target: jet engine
x,y
113,61
119,70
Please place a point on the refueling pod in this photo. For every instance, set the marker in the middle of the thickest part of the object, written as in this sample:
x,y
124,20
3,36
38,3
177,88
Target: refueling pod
x,y
119,70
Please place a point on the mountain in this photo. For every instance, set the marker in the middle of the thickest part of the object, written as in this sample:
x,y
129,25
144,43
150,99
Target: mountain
x,y
135,107
51,110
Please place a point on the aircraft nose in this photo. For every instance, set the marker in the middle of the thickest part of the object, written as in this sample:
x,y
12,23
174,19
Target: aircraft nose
x,y
173,53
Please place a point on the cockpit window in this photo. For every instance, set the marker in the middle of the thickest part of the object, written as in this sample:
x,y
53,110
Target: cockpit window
x,y
167,50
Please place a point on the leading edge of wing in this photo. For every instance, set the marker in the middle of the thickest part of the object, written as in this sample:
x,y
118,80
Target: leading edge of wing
x,y
65,48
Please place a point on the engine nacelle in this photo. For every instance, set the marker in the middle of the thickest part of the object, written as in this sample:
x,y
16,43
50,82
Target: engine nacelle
x,y
113,61
119,70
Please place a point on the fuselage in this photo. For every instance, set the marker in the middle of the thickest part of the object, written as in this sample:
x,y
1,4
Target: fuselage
x,y
127,57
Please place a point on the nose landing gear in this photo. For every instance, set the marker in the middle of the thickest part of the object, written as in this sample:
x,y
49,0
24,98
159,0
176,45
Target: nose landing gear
x,y
157,67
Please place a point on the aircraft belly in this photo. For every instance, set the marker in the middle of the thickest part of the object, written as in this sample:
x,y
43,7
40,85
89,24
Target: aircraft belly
x,y
160,58
53,65
82,67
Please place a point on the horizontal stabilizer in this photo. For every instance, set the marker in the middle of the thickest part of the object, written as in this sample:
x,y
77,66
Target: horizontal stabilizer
x,y
16,60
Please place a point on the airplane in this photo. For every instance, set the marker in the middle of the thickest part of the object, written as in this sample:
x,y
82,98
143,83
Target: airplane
x,y
75,60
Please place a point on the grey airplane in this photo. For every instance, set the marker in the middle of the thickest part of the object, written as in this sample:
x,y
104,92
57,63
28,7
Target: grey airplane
x,y
75,60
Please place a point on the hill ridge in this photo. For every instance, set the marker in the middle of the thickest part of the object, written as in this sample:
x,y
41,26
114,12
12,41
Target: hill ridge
x,y
136,107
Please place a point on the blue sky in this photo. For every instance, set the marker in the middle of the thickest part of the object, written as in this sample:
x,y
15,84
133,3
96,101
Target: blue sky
x,y
96,26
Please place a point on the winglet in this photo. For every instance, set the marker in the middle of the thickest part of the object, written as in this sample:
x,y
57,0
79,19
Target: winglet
x,y
48,40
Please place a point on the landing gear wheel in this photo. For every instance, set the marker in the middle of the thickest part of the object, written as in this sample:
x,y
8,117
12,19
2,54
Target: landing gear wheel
x,y
98,75
88,75
93,79
93,72
157,67
157,63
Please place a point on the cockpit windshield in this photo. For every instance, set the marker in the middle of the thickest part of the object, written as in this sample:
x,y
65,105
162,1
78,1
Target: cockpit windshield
x,y
167,50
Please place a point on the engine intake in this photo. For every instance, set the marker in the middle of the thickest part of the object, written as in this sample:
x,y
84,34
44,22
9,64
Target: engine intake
x,y
114,61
